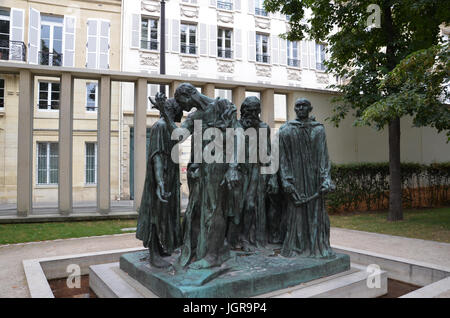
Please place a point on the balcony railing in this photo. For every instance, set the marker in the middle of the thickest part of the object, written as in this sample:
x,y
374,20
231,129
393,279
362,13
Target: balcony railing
x,y
320,66
149,45
260,11
47,58
263,58
293,62
188,49
225,5
13,50
225,53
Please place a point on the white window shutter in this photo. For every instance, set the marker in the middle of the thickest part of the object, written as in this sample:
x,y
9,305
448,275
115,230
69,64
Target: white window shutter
x,y
16,32
91,45
212,3
251,6
251,46
104,45
135,30
275,51
312,54
175,36
283,52
33,36
237,44
213,40
304,54
203,34
166,35
69,41
237,5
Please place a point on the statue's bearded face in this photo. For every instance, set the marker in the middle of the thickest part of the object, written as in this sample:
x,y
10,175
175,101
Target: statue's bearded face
x,y
302,110
250,115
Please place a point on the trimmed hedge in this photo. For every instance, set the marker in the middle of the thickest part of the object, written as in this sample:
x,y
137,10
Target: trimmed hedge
x,y
365,186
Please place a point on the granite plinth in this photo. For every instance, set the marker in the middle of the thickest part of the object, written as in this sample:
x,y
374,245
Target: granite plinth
x,y
243,275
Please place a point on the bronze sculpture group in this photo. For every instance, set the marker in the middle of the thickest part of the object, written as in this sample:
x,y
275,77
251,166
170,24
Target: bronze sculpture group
x,y
232,205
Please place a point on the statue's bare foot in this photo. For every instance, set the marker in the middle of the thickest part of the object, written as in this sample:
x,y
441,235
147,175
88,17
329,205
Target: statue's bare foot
x,y
201,264
159,262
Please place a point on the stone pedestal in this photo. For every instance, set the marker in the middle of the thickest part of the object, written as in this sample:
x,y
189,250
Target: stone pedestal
x,y
243,275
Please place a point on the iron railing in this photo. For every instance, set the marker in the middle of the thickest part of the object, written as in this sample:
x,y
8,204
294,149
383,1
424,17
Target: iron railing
x,y
260,11
188,49
225,53
293,62
47,58
149,45
263,58
12,50
225,5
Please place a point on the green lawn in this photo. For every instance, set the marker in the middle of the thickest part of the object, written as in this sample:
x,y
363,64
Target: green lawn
x,y
431,224
31,232
426,224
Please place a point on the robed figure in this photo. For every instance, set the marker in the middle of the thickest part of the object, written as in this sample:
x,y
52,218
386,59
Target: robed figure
x,y
248,229
159,213
305,179
211,183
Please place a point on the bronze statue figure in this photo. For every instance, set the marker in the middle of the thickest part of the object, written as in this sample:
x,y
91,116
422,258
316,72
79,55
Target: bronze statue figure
x,y
159,214
305,178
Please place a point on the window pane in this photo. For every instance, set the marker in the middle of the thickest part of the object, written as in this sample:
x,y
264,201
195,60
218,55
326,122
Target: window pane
x,y
54,163
42,163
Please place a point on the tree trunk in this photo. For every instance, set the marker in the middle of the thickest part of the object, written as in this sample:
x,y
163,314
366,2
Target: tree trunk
x,y
395,181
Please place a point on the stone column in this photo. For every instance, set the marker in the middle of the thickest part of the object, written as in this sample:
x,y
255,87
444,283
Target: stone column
x,y
209,90
267,106
104,146
172,87
25,144
290,100
238,97
140,132
65,145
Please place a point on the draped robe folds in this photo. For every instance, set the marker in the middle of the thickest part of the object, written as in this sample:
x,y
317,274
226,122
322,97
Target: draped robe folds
x,y
304,163
209,207
253,222
154,215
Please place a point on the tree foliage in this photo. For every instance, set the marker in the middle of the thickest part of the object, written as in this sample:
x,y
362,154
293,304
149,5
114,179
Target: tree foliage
x,y
419,87
364,56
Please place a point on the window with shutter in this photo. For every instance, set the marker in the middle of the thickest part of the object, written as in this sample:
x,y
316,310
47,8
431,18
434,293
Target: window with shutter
x,y
262,48
33,36
135,29
224,39
188,37
69,41
312,54
17,47
213,40
305,55
320,56
98,44
175,36
149,34
292,54
275,51
251,46
203,33
238,44
51,40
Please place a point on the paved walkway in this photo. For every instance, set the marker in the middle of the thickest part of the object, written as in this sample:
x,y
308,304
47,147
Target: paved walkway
x,y
13,282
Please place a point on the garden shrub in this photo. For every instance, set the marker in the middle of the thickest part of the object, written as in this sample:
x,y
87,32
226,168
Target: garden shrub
x,y
365,186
